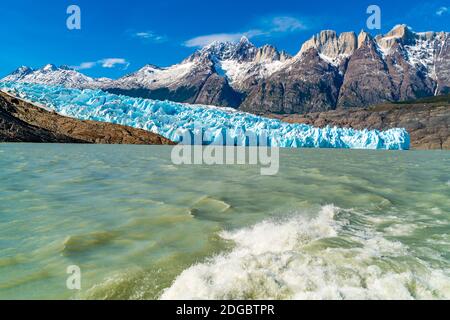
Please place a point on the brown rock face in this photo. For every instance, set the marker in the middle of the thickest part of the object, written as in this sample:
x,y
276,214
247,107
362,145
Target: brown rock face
x,y
216,91
400,33
443,65
308,85
363,39
399,66
201,86
367,80
408,82
331,45
270,53
23,122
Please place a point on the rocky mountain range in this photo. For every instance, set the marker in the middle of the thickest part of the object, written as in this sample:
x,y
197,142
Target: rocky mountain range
x,y
330,72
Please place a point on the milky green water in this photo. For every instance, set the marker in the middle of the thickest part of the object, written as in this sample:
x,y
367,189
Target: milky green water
x,y
333,224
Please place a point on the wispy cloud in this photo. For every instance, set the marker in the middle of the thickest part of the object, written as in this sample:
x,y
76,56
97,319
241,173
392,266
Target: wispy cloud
x,y
85,65
286,24
150,36
108,63
113,62
442,10
266,27
202,41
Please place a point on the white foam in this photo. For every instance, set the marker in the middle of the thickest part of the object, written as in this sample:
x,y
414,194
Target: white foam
x,y
401,229
296,259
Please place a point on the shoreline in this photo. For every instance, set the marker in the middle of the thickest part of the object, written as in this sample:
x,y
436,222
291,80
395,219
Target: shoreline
x,y
426,121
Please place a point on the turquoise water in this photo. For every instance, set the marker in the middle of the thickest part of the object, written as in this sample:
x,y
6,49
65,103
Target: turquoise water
x,y
333,224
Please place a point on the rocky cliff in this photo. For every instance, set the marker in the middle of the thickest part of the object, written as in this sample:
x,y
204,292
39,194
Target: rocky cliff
x,y
21,121
398,66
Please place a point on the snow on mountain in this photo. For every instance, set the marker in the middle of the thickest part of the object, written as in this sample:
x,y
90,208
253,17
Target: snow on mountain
x,y
52,75
419,49
216,74
422,54
243,62
332,48
152,77
238,74
19,74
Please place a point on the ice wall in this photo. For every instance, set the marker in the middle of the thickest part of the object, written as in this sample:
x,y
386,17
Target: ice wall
x,y
168,118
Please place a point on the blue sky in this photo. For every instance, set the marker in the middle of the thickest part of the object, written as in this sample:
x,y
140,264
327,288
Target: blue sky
x,y
118,37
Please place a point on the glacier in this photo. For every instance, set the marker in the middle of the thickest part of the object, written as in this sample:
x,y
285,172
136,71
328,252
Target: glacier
x,y
170,119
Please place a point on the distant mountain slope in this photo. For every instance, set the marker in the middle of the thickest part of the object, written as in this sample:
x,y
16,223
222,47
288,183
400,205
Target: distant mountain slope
x,y
330,72
52,75
23,122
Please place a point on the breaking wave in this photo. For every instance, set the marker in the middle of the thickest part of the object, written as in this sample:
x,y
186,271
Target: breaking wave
x,y
335,255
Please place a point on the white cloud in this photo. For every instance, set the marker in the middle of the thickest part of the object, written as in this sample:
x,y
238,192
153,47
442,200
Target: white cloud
x,y
85,65
113,62
286,24
268,27
150,36
202,41
442,10
105,63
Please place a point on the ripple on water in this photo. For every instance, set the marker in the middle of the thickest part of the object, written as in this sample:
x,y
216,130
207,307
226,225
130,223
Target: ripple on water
x,y
210,208
84,242
139,229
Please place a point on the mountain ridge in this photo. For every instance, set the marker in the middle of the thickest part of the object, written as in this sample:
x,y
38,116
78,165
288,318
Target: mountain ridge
x,y
331,71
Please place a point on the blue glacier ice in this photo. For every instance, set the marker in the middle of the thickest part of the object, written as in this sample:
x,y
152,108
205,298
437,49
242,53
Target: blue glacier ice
x,y
169,119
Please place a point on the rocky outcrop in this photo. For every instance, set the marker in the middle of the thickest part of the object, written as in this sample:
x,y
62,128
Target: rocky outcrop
x,y
270,53
399,66
443,64
399,34
216,91
308,85
367,80
427,121
331,45
21,121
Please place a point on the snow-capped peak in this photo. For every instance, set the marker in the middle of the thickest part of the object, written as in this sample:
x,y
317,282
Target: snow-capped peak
x,y
244,39
51,75
149,69
23,70
240,61
49,67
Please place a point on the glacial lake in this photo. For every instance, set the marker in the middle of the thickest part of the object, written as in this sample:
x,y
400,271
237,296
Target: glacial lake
x,y
333,224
